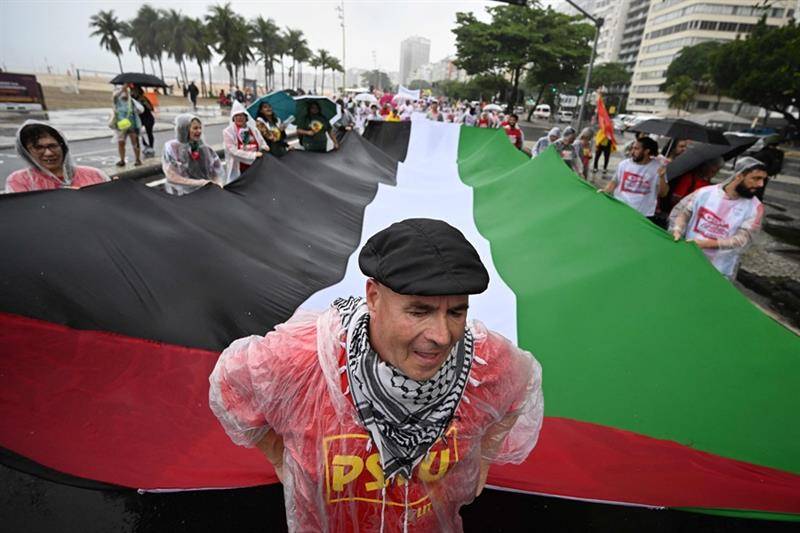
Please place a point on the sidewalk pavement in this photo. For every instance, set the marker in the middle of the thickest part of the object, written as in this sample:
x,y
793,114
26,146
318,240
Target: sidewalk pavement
x,y
83,124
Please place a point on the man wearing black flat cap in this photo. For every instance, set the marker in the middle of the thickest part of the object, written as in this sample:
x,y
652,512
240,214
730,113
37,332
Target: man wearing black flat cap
x,y
385,412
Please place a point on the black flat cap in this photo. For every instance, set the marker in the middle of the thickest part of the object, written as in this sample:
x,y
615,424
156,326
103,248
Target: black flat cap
x,y
425,257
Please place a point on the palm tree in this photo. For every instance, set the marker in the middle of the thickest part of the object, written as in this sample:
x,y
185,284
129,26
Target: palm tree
x,y
176,39
240,45
199,48
281,50
315,62
324,57
297,49
221,22
263,34
336,66
302,55
682,92
107,26
140,30
128,32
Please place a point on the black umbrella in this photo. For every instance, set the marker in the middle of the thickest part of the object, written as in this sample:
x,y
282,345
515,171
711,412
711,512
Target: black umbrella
x,y
699,153
678,128
137,78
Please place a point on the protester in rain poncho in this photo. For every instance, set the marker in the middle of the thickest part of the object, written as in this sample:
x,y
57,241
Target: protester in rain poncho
x,y
543,142
722,219
384,413
188,162
565,146
243,143
50,164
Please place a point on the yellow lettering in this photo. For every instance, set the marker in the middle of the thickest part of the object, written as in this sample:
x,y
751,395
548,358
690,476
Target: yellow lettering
x,y
340,477
425,466
374,468
425,509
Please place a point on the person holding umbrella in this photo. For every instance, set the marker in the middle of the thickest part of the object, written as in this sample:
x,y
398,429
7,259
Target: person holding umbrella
x,y
721,219
312,129
273,129
691,181
125,120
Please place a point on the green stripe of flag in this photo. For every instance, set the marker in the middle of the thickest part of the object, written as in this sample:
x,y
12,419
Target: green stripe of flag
x,y
633,330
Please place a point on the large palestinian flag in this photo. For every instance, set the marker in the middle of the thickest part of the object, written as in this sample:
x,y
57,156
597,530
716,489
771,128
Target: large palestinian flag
x,y
664,386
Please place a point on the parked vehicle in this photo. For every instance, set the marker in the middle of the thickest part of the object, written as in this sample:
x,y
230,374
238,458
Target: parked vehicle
x,y
564,115
542,111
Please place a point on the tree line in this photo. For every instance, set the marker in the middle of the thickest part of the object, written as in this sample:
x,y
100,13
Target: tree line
x,y
158,33
760,69
531,46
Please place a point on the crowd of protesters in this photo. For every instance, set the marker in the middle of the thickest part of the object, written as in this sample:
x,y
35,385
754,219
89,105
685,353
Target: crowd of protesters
x,y
720,218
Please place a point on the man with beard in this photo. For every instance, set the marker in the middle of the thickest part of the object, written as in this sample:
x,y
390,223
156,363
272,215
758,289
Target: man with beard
x,y
721,219
637,181
383,413
514,132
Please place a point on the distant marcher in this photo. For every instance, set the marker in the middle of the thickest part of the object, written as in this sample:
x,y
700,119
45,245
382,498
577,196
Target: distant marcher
x,y
721,219
637,182
689,182
243,143
188,163
148,120
392,116
514,132
315,129
565,146
604,148
238,95
127,123
434,113
373,114
272,129
583,147
541,145
193,92
772,157
44,149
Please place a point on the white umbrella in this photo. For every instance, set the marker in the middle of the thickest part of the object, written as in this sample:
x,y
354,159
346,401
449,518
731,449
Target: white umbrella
x,y
492,107
366,97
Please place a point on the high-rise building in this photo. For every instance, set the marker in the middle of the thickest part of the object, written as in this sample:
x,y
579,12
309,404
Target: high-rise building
x,y
414,52
674,24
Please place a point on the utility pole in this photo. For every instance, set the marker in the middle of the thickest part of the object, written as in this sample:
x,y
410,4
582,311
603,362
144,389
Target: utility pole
x,y
598,23
340,10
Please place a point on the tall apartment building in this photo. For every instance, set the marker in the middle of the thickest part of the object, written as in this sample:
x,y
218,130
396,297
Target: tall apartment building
x,y
675,24
414,52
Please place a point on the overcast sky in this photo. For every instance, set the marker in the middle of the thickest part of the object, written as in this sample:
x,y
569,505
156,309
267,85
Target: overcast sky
x,y
58,30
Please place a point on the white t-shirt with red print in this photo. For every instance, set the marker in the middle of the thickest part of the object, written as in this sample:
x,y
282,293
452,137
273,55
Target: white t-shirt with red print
x,y
718,217
637,185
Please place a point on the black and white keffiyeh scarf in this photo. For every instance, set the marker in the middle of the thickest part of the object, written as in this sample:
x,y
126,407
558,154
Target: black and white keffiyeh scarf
x,y
404,417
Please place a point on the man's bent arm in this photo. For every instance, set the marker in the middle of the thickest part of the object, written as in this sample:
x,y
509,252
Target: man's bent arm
x,y
271,445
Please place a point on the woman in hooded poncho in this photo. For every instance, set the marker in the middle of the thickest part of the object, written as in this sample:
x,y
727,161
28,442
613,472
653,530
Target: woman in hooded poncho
x,y
50,164
243,143
188,162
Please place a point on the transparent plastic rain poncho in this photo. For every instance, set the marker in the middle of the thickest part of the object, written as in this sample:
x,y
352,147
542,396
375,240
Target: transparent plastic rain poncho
x,y
35,177
235,153
292,381
184,172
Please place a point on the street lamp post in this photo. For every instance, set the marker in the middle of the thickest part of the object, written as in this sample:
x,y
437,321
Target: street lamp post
x,y
598,23
340,9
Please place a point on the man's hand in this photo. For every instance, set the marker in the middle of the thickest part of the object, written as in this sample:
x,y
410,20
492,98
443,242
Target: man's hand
x,y
483,475
272,447
676,235
705,243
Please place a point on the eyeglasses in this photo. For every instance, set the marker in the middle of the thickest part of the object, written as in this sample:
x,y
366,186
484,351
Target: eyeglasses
x,y
42,148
